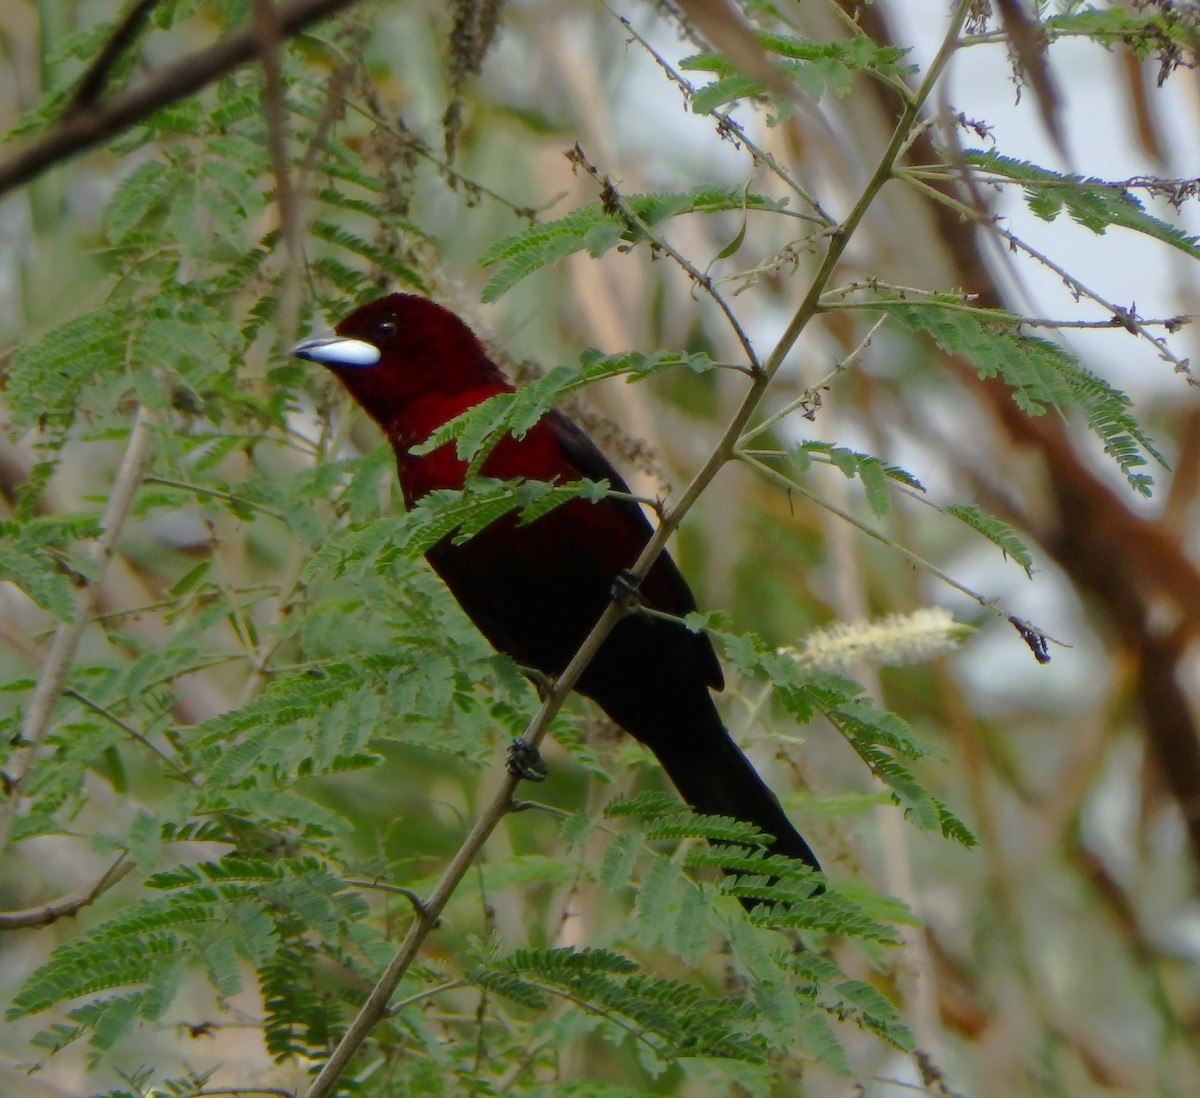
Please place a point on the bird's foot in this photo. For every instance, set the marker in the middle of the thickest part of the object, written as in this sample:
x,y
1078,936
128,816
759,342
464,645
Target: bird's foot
x,y
526,762
542,682
626,591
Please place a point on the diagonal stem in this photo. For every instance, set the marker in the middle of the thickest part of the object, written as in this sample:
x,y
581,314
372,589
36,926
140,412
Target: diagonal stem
x,y
68,635
376,1005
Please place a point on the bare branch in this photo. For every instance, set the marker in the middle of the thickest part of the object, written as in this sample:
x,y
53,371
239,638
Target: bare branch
x,y
45,914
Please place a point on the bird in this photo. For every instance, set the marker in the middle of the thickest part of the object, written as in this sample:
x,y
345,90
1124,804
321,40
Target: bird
x,y
535,590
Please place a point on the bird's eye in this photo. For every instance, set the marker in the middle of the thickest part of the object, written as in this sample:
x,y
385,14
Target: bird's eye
x,y
385,330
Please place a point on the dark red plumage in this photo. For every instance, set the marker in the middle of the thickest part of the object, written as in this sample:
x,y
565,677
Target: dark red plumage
x,y
535,591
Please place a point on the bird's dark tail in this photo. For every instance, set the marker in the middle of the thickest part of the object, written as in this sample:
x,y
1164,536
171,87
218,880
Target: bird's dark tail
x,y
716,779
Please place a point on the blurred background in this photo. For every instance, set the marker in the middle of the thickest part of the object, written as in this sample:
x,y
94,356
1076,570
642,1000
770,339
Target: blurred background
x,y
1059,956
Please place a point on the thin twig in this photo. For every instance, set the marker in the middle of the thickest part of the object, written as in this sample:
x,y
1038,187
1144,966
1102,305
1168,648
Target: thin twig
x,y
1119,319
427,993
131,732
244,1092
45,914
68,635
383,886
412,141
810,399
1129,320
376,1004
728,127
611,199
216,493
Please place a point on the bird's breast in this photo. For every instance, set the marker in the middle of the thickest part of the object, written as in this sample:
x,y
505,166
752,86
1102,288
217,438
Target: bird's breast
x,y
424,473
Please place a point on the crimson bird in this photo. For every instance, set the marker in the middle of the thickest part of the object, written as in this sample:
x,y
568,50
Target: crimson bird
x,y
535,591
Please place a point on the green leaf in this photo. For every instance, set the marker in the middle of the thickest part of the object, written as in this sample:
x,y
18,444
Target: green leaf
x,y
596,229
816,1034
877,1012
1039,372
651,908
37,556
618,860
508,985
815,67
873,473
996,531
142,192
1093,203
565,964
48,374
732,247
878,737
479,428
688,932
726,90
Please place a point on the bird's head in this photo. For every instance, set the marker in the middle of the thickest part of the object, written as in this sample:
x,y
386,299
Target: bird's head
x,y
402,351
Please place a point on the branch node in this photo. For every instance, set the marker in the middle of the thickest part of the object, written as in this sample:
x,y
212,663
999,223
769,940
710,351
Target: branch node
x,y
525,761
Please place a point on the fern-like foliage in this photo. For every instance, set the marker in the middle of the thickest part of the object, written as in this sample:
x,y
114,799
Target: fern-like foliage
x,y
1040,374
48,375
816,68
594,228
1167,32
671,1018
870,471
1092,203
458,514
37,556
877,478
294,747
216,915
880,739
479,428
997,531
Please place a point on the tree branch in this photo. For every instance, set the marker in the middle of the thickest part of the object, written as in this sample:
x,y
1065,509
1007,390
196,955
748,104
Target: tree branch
x,y
45,914
187,76
69,634
1128,563
88,90
501,802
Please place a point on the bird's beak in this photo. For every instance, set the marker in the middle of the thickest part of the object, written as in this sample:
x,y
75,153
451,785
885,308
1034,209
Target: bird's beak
x,y
337,351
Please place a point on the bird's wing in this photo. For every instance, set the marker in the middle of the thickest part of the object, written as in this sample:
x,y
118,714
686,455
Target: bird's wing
x,y
664,588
